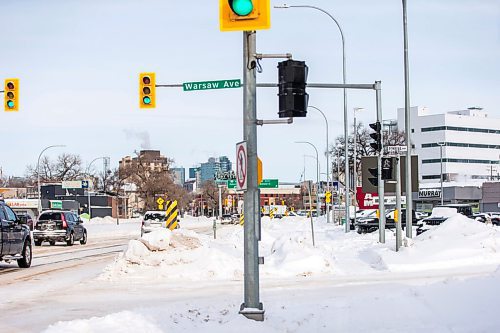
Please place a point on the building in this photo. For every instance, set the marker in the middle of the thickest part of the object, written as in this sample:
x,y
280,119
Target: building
x,y
465,142
214,165
152,158
179,175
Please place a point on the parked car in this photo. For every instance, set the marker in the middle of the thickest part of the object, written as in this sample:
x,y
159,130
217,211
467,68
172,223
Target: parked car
x,y
227,219
59,226
15,239
153,219
442,213
421,215
370,223
361,213
495,218
488,217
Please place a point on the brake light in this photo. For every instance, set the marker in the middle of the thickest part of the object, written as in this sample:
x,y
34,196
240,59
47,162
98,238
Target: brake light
x,y
142,223
63,219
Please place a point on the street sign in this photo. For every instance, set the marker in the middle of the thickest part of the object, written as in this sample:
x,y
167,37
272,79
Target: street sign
x,y
396,150
56,204
269,183
160,202
241,165
76,184
206,85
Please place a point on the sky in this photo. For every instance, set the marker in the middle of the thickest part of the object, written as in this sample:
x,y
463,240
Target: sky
x,y
444,280
78,64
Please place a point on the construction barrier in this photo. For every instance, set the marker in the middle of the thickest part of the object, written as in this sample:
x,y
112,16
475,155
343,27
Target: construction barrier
x,y
242,218
172,214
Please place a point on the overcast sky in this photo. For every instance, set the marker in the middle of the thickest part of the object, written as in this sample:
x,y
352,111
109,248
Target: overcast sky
x,y
78,64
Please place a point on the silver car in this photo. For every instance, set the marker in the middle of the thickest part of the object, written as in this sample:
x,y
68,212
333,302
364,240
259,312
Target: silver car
x,y
153,219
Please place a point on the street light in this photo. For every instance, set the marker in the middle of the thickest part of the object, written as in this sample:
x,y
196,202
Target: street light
x,y
346,122
354,157
88,189
327,164
38,175
317,173
441,144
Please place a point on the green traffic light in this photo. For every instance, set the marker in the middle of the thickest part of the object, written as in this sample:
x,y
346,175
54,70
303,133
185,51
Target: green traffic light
x,y
241,7
146,100
10,104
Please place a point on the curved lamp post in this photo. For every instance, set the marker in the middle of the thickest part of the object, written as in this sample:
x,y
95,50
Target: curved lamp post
x,y
38,175
346,121
327,163
317,173
87,173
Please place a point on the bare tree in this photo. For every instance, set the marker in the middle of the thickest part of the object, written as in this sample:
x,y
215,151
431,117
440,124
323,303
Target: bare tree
x,y
210,192
67,167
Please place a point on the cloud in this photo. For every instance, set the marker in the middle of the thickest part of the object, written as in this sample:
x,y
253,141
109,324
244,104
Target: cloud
x,y
142,136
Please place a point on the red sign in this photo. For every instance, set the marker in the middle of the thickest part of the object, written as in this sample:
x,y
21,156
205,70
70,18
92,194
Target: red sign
x,y
366,200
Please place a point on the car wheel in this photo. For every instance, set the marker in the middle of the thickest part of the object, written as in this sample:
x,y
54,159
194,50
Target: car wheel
x,y
52,243
25,261
83,241
38,243
71,240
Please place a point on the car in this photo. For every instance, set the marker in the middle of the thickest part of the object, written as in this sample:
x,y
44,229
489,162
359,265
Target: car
x,y
226,219
488,217
495,218
292,213
26,219
59,226
360,214
15,238
421,215
152,220
371,222
440,214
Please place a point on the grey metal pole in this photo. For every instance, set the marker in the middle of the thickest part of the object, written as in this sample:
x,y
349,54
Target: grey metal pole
x,y
317,174
310,211
381,203
441,174
346,120
409,204
327,164
38,175
220,202
251,308
398,206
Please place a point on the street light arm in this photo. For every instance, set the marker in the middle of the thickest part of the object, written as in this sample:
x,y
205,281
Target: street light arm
x,y
90,164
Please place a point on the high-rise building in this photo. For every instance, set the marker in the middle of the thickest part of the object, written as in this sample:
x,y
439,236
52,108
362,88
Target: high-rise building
x,y
179,175
208,169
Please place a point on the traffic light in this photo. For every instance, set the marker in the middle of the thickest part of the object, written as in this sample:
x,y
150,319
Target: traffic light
x,y
11,95
292,96
147,90
377,136
387,168
244,15
373,180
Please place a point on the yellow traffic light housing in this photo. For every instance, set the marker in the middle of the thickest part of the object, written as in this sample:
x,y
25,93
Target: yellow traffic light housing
x,y
244,15
11,95
147,90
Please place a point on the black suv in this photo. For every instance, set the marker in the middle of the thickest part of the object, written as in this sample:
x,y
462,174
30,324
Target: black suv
x,y
59,226
442,213
370,223
15,240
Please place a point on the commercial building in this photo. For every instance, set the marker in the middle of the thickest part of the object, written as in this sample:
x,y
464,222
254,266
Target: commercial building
x,y
466,142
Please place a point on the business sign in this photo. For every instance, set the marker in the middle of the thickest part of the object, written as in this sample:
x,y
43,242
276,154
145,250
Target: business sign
x,y
76,184
22,203
371,200
429,193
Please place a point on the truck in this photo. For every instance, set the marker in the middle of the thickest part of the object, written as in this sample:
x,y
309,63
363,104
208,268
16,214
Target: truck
x,y
15,237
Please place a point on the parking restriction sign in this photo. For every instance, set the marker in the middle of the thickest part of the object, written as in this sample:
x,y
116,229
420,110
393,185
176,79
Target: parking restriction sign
x,y
241,165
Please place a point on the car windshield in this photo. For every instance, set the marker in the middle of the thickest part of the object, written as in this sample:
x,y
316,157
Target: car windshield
x,y
50,216
154,216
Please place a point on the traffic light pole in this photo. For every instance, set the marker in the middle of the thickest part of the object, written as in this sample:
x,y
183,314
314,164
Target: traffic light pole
x,y
381,207
251,308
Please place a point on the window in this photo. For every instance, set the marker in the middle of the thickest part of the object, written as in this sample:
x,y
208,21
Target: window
x,y
11,216
460,129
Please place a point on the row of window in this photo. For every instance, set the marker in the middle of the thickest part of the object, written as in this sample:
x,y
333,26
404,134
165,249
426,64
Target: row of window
x,y
459,160
460,129
457,144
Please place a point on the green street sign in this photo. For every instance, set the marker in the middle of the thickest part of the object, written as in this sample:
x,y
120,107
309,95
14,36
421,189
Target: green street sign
x,y
266,183
55,204
269,183
206,85
230,183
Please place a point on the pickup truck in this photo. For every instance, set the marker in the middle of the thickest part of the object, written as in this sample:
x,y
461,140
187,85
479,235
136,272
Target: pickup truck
x,y
15,238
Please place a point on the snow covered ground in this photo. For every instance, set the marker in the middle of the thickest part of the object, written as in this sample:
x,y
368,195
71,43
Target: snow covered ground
x,y
445,280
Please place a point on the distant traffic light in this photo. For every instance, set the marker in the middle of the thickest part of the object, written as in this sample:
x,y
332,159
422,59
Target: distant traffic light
x,y
244,15
373,180
147,90
388,168
292,96
11,95
377,136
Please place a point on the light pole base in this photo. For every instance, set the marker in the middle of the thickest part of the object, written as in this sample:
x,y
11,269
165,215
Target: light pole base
x,y
253,313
